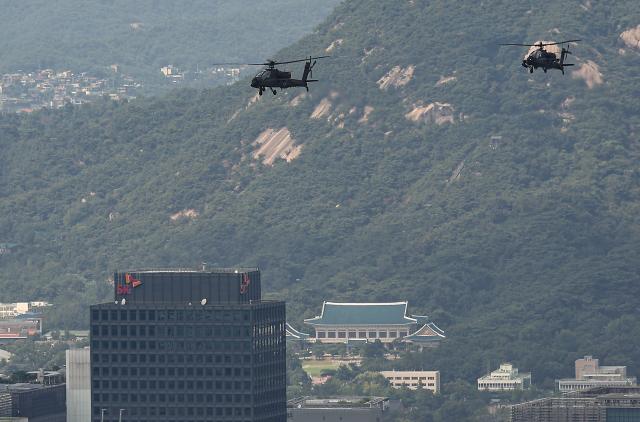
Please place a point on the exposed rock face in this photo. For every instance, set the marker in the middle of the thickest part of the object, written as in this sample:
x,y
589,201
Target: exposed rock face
x,y
396,77
631,37
457,173
365,115
273,144
590,73
445,79
322,109
337,43
298,99
186,214
438,113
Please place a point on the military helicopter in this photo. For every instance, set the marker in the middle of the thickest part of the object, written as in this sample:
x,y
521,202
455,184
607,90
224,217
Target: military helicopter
x,y
274,78
545,59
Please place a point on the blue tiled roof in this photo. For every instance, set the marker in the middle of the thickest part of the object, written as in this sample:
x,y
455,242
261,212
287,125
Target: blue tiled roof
x,y
362,314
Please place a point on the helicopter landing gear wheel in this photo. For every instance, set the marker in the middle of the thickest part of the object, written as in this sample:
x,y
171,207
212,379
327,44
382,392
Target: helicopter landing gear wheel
x,y
545,69
260,91
530,69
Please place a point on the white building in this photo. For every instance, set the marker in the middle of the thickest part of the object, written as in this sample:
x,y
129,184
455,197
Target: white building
x,y
13,310
505,378
78,385
590,374
429,380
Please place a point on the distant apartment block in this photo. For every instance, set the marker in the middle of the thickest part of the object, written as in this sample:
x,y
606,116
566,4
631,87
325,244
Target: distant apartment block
x,y
429,380
368,322
13,310
590,374
505,378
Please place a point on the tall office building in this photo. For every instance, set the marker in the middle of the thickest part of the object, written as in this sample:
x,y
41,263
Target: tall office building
x,y
78,385
186,345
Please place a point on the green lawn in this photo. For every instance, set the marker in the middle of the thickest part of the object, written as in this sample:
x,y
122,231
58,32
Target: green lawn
x,y
315,367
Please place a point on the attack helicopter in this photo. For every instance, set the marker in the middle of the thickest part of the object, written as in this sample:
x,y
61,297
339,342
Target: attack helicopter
x,y
540,57
273,78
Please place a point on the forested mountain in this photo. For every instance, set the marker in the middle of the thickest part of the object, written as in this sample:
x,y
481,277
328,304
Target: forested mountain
x,y
144,35
427,166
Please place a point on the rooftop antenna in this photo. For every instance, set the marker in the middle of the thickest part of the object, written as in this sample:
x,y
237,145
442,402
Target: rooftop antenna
x,y
204,266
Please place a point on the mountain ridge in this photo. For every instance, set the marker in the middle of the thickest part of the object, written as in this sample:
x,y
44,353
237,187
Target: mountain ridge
x,y
513,224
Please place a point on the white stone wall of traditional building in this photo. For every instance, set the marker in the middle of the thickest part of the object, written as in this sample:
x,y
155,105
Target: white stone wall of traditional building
x,y
371,333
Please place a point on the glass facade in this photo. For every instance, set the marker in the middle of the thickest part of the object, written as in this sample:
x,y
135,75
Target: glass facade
x,y
623,414
175,362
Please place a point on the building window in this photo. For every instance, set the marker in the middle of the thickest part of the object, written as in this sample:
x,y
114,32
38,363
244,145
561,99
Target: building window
x,y
322,334
382,334
352,334
331,334
342,334
403,333
362,334
393,334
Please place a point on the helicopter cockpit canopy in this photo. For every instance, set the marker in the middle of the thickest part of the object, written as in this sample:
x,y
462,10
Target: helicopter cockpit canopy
x,y
264,74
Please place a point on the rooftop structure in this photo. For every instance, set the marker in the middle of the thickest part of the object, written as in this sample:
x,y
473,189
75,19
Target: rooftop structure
x,y
590,374
337,409
387,322
602,404
429,380
505,378
36,402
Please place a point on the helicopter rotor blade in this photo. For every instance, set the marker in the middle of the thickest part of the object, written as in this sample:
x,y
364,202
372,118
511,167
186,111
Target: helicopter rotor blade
x,y
541,44
521,45
561,42
302,60
239,64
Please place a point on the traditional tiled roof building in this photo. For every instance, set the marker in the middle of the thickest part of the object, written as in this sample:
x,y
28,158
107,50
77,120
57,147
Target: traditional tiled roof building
x,y
353,322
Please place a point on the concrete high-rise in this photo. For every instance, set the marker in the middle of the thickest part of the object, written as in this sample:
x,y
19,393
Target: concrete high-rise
x,y
187,345
78,385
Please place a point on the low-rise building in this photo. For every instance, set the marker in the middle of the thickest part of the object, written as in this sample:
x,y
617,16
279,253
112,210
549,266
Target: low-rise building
x,y
35,402
368,322
505,378
16,329
601,404
590,374
337,409
429,380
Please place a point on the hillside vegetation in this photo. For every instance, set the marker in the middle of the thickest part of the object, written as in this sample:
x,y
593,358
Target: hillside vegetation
x,y
144,35
430,167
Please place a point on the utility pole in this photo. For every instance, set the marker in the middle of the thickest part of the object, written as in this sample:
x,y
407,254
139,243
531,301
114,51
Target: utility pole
x,y
120,416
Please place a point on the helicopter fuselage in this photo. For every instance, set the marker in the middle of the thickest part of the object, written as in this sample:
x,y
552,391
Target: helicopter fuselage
x,y
543,59
273,78
546,60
